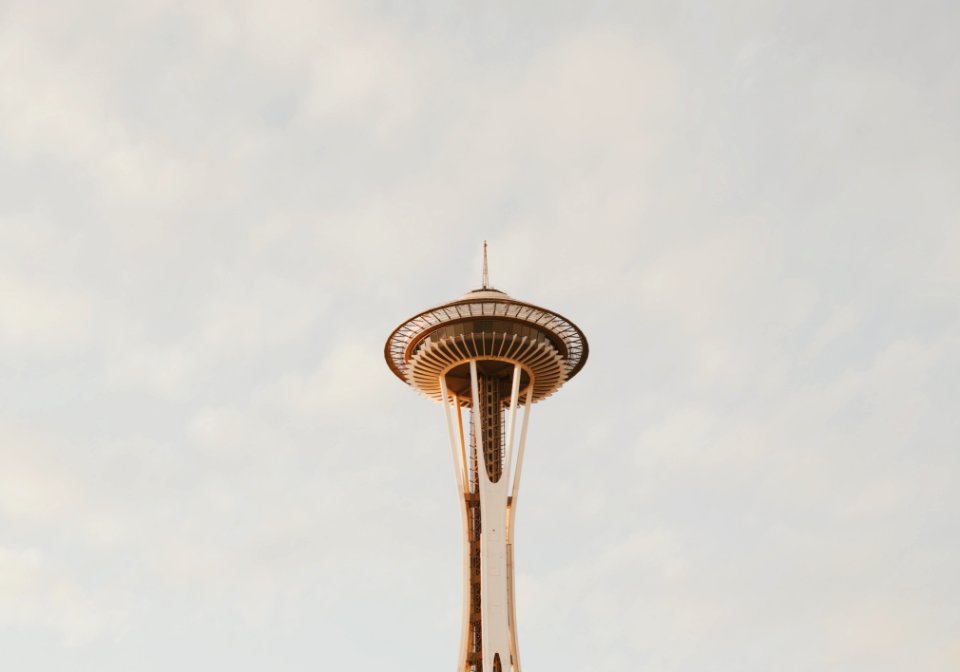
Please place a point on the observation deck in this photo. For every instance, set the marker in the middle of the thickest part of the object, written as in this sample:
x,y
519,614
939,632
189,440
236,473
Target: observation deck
x,y
488,325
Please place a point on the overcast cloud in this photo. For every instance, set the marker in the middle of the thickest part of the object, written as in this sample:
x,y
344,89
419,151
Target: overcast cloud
x,y
213,213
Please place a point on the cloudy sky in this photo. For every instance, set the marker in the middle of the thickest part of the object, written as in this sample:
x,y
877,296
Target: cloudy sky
x,y
213,213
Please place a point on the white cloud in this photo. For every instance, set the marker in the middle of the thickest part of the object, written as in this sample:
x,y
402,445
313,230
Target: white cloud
x,y
32,593
349,379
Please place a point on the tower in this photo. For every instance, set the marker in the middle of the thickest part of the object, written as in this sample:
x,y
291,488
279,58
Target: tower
x,y
485,355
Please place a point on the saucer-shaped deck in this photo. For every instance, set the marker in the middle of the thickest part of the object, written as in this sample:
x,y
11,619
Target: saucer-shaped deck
x,y
489,326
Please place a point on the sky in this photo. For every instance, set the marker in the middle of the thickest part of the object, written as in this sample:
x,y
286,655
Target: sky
x,y
212,214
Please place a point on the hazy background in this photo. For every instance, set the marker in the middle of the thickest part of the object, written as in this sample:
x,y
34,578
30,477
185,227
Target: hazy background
x,y
213,214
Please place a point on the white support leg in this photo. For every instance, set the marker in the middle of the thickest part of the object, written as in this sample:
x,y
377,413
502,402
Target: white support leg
x,y
463,448
512,515
457,448
523,442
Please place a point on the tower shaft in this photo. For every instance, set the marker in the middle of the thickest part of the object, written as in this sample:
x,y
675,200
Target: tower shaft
x,y
482,461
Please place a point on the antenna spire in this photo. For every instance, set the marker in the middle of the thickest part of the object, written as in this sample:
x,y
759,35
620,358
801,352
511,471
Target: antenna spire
x,y
486,272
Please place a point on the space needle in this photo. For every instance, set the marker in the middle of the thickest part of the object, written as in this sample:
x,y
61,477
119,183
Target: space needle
x,y
483,357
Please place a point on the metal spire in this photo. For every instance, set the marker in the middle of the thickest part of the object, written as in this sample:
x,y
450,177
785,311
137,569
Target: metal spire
x,y
486,273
